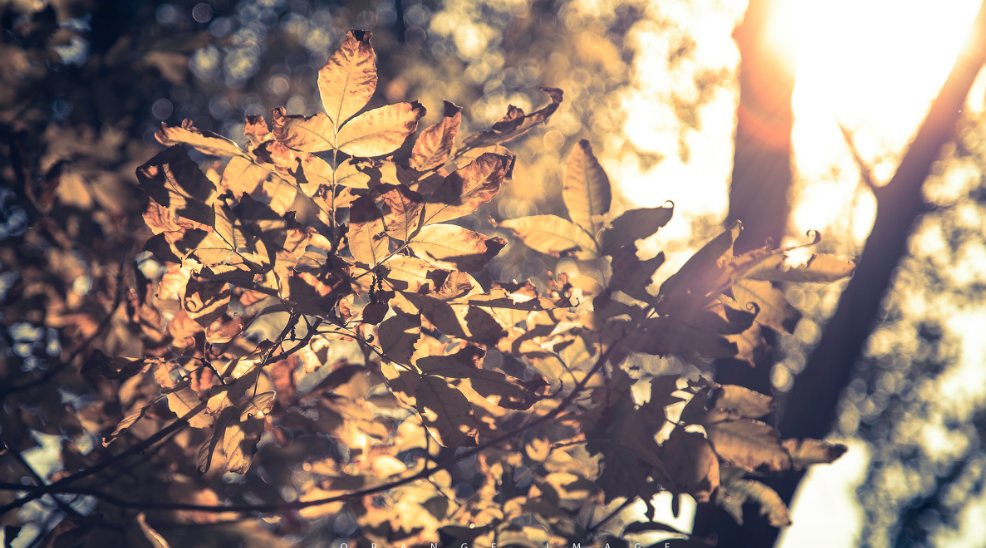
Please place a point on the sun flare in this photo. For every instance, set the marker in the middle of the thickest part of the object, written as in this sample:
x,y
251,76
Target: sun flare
x,y
872,67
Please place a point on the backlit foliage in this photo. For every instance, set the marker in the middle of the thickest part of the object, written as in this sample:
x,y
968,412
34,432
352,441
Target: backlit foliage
x,y
400,393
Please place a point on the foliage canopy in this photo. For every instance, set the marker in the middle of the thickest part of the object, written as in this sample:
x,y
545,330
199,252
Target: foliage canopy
x,y
399,389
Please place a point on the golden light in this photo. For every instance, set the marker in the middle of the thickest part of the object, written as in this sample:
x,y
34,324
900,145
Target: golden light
x,y
873,67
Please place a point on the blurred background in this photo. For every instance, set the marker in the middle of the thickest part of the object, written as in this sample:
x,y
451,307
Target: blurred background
x,y
788,115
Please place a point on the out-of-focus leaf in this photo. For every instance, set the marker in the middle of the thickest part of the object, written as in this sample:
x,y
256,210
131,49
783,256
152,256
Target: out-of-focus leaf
x,y
775,311
455,247
434,145
692,464
240,443
806,452
741,400
460,320
818,268
203,141
748,444
492,385
515,123
446,412
552,235
465,189
349,78
397,335
586,189
184,400
308,134
128,421
368,240
380,131
738,492
155,538
207,450
635,224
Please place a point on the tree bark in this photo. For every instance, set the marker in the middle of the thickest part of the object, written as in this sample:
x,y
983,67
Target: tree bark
x,y
812,403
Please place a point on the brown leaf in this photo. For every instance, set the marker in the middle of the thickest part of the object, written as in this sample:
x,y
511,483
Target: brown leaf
x,y
738,492
454,247
806,452
748,444
413,275
819,268
585,189
515,123
703,275
349,78
465,189
240,443
434,145
633,225
309,134
775,311
380,131
368,240
632,275
397,335
552,235
175,182
184,400
691,463
206,301
203,141
446,412
401,209
135,415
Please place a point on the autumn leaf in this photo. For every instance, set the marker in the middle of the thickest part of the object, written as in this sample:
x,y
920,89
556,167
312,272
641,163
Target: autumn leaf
x,y
552,235
446,412
702,276
454,247
348,79
206,301
805,452
240,443
692,464
434,145
738,492
184,400
515,123
632,275
413,275
749,444
203,141
634,224
818,268
380,131
397,335
368,240
775,311
465,189
125,424
175,182
309,134
401,209
585,189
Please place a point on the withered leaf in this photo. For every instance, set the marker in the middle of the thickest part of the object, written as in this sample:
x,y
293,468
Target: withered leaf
x,y
738,492
632,275
775,311
446,412
454,247
309,134
585,189
368,240
702,276
515,123
207,450
175,182
465,189
413,275
397,335
635,224
805,452
205,142
206,301
125,424
748,444
380,131
349,78
552,235
434,145
692,464
184,400
240,443
820,267
401,209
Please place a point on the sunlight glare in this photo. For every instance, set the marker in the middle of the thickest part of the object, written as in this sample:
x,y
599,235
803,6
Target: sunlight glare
x,y
872,66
